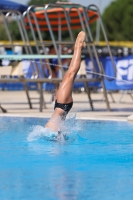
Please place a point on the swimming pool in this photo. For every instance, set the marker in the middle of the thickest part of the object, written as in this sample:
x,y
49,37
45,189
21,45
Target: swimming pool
x,y
95,163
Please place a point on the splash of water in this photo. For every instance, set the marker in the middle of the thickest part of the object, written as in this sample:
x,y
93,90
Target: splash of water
x,y
70,130
39,132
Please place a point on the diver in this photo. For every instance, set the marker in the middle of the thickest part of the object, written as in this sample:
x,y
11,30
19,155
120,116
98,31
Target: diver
x,y
64,100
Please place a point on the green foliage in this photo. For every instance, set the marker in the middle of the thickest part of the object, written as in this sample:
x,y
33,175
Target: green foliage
x,y
13,30
3,35
117,19
42,2
93,29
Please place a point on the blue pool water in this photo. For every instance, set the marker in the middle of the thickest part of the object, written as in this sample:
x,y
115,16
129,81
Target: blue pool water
x,y
94,163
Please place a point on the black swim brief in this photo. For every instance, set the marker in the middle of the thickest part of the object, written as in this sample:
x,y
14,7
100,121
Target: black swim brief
x,y
66,107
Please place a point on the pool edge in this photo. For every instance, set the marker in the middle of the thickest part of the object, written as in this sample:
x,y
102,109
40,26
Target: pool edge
x,y
77,117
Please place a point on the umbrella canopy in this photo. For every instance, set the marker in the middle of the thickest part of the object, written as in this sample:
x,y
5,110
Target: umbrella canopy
x,y
56,16
9,5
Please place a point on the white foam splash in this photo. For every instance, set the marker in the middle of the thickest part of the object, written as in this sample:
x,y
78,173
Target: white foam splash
x,y
69,130
41,132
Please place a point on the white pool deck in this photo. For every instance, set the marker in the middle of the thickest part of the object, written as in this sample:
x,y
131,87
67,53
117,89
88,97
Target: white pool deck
x,y
15,102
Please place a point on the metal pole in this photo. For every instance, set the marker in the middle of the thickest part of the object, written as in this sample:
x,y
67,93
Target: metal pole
x,y
98,25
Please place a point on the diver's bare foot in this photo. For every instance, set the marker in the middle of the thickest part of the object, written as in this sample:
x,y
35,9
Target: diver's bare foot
x,y
80,41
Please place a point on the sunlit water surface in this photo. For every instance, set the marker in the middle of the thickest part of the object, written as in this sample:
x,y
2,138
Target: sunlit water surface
x,y
94,161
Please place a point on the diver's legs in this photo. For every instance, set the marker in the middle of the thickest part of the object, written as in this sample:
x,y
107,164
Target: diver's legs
x,y
64,94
